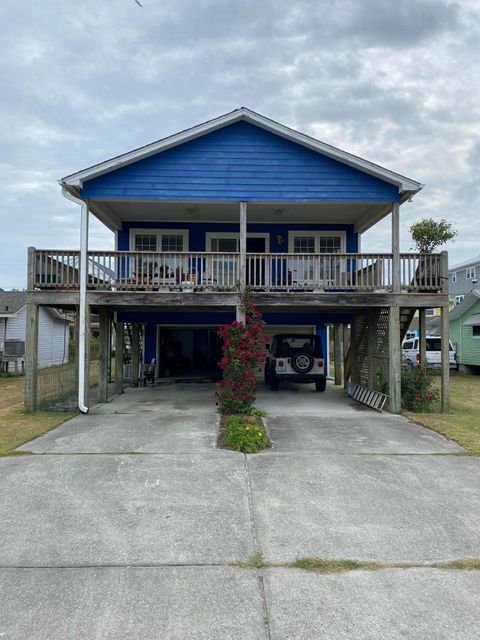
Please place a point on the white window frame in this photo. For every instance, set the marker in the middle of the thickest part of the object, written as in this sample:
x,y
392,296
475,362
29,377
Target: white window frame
x,y
298,267
458,299
317,235
470,273
159,233
147,272
210,235
430,315
454,277
219,266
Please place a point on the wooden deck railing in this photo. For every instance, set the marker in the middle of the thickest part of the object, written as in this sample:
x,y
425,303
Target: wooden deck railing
x,y
203,271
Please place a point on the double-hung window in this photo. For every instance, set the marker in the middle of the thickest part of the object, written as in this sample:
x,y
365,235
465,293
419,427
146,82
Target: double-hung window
x,y
163,264
470,275
319,270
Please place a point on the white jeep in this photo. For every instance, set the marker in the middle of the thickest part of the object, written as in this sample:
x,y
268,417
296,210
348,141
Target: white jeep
x,y
297,358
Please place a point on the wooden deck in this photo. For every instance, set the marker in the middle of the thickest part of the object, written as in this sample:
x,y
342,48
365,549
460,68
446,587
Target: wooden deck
x,y
269,273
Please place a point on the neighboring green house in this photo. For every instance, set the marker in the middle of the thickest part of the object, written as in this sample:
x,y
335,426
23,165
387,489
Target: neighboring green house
x,y
465,330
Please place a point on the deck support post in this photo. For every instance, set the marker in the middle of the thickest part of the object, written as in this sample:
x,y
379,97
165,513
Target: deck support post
x,y
395,359
240,312
135,353
445,384
422,336
346,355
372,330
119,331
395,247
338,352
31,357
104,355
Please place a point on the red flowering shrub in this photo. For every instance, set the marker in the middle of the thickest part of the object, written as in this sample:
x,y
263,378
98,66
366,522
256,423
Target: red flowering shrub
x,y
242,353
418,390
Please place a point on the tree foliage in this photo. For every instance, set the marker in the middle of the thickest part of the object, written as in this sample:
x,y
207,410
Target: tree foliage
x,y
242,353
429,234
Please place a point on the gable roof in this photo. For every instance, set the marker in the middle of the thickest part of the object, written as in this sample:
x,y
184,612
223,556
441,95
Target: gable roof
x,y
407,187
11,302
465,304
466,263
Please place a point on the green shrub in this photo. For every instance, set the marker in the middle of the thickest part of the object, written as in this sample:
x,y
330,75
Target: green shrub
x,y
244,433
418,392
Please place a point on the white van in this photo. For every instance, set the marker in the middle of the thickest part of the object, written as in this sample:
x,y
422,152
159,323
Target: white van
x,y
411,352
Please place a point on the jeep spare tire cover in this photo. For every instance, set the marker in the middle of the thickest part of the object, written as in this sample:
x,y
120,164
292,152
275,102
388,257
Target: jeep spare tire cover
x,y
302,362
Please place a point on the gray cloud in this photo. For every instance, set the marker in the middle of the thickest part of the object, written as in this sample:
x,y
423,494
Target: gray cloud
x,y
394,83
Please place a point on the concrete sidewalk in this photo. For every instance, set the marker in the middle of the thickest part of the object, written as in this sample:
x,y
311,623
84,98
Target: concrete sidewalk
x,y
128,522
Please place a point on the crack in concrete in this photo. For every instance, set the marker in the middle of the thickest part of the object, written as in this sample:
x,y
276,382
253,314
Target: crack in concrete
x,y
258,551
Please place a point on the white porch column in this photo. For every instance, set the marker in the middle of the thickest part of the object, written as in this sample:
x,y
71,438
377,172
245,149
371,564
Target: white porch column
x,y
243,258
83,311
395,247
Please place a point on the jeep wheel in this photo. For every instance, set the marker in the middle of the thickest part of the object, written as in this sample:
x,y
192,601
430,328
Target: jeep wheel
x,y
302,362
321,384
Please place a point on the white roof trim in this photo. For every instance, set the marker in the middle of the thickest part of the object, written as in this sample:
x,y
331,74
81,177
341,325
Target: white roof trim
x,y
473,320
472,262
404,184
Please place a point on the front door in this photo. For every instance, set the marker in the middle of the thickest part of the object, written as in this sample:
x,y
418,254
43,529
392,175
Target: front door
x,y
224,267
255,263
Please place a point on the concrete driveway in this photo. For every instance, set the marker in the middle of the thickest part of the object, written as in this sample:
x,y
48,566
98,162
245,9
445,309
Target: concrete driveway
x,y
128,522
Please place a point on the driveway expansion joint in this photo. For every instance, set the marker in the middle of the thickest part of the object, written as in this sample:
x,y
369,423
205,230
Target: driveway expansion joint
x,y
256,543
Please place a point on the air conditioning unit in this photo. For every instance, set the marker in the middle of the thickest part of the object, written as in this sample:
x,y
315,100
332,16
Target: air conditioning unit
x,y
14,348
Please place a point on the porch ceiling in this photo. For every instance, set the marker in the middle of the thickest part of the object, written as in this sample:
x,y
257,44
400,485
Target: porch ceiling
x,y
363,215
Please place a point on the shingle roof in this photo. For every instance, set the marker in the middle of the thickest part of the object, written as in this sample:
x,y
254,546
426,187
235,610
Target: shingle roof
x,y
12,301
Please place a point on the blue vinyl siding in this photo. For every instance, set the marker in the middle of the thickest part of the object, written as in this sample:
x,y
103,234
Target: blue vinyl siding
x,y
216,319
240,162
197,233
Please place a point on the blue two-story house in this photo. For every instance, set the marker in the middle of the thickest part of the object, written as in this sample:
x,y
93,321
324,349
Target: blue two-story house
x,y
238,202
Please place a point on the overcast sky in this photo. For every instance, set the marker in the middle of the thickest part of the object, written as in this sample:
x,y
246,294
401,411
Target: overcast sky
x,y
396,82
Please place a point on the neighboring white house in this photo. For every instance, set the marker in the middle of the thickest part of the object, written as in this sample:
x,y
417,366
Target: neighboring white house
x,y
53,332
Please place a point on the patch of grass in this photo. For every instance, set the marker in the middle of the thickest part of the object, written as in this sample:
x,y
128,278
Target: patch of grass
x,y
16,426
255,411
257,561
462,423
468,564
328,566
243,433
322,565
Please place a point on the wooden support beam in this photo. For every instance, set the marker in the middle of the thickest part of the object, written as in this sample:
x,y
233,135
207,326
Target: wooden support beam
x,y
422,331
135,353
372,331
395,247
338,352
31,269
346,355
445,384
104,355
31,357
119,330
395,360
